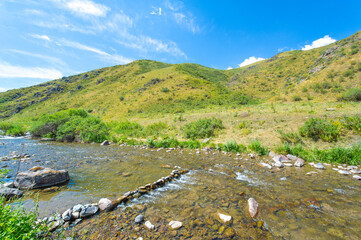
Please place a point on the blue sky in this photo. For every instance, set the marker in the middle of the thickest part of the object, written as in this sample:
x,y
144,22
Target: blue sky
x,y
43,40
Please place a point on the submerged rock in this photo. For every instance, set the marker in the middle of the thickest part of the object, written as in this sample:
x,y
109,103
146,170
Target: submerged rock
x,y
40,177
252,207
9,193
105,143
139,219
89,211
175,224
149,225
343,172
357,177
225,218
319,166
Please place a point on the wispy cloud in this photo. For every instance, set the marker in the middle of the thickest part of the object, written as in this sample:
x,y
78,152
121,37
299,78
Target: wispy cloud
x,y
326,40
10,71
84,7
3,89
42,37
156,11
186,21
109,57
250,60
50,59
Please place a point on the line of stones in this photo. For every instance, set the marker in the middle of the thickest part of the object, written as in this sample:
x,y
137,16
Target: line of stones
x,y
75,214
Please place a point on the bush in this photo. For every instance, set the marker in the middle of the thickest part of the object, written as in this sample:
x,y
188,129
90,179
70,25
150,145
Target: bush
x,y
258,148
12,129
290,137
16,223
297,98
70,125
232,146
165,90
352,123
353,94
202,128
316,128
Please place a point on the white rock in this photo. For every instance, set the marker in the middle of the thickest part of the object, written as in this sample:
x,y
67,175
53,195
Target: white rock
x,y
278,164
225,218
299,162
292,157
319,166
265,165
336,169
105,204
288,164
355,172
311,173
343,172
252,207
357,177
149,225
66,215
175,224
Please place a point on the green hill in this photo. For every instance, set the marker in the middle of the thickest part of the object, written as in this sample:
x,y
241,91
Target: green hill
x,y
150,88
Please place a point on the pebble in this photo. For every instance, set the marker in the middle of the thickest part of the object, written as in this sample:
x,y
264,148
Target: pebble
x,y
288,164
311,173
266,165
149,225
357,177
139,219
225,218
343,172
175,224
253,207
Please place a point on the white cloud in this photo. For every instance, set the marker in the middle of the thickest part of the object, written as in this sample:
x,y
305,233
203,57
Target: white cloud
x,y
229,68
187,21
326,40
109,57
3,89
156,11
84,7
10,71
250,60
53,60
42,37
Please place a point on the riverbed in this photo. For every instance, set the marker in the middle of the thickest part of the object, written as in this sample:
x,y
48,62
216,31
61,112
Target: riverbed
x,y
293,205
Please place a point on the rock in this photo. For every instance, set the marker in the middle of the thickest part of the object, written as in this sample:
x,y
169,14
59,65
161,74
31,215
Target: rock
x,y
51,189
278,164
251,155
292,157
175,224
138,219
299,162
105,143
229,232
225,218
252,207
281,158
9,184
40,177
244,114
311,173
75,215
288,164
206,140
10,193
357,177
66,216
88,211
355,172
53,225
77,221
105,204
343,172
77,208
149,225
330,109
272,154
266,165
319,166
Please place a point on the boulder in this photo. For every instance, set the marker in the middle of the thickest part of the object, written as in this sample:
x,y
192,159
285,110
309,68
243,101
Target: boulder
x,y
292,157
40,177
105,143
299,162
319,166
9,193
88,211
252,207
106,205
356,177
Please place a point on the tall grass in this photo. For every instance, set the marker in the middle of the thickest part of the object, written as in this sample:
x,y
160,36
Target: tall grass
x,y
202,128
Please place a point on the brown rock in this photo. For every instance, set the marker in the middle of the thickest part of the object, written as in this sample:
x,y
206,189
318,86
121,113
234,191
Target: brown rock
x,y
252,207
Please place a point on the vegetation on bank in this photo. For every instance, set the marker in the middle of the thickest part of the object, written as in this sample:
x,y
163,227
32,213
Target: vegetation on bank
x,y
17,223
12,129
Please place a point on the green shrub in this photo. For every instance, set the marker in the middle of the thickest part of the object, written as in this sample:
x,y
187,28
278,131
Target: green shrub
x,y
12,129
290,137
202,128
17,223
316,128
126,128
352,123
258,148
165,90
296,98
232,146
353,94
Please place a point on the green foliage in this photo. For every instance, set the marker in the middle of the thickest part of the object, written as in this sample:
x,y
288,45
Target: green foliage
x,y
202,128
70,125
290,137
316,128
12,129
352,123
172,143
351,155
165,90
232,146
132,129
353,94
296,98
258,148
17,223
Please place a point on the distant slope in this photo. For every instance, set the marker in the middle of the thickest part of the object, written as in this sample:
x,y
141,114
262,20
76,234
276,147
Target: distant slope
x,y
151,87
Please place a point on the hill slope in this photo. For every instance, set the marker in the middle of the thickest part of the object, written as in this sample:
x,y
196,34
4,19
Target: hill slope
x,y
149,87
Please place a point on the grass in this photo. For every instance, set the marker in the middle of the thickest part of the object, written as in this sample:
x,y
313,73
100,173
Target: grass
x,y
202,128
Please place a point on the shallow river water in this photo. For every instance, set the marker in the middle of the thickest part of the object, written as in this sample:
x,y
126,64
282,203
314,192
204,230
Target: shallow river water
x,y
293,205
